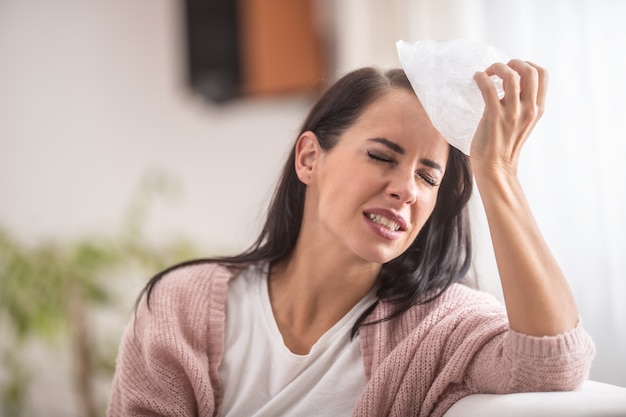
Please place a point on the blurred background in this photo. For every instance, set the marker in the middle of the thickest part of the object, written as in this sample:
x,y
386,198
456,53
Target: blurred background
x,y
137,133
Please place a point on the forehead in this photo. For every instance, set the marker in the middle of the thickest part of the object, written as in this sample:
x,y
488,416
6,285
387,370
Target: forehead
x,y
399,116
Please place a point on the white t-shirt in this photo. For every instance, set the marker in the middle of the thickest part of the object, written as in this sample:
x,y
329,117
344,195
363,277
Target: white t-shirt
x,y
262,377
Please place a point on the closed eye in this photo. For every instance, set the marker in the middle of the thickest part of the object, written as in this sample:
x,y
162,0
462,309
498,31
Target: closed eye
x,y
424,175
427,178
380,158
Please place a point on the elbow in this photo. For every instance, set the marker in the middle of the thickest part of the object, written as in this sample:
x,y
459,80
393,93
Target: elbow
x,y
565,373
563,366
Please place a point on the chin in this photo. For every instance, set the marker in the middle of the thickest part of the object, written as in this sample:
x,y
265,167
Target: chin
x,y
381,256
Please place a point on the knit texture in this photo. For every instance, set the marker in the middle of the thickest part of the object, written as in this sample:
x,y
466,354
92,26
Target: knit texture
x,y
416,365
461,344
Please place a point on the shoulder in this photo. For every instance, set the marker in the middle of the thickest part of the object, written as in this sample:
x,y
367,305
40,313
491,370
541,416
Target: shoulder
x,y
457,300
188,292
458,295
460,316
459,310
462,309
192,281
462,303
186,306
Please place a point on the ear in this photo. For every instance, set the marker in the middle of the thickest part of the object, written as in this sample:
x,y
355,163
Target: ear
x,y
308,152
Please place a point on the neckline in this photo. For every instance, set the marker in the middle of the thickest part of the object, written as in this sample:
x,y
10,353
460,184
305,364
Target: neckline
x,y
343,326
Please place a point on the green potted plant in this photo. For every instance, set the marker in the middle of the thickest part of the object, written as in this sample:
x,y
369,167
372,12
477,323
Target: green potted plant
x,y
48,291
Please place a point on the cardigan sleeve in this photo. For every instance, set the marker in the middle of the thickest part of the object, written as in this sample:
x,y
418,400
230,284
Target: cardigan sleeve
x,y
515,362
460,344
483,353
167,358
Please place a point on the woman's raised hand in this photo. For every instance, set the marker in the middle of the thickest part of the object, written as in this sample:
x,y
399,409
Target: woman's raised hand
x,y
507,122
538,299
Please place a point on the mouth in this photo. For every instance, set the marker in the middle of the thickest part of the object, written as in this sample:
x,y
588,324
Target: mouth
x,y
387,220
387,223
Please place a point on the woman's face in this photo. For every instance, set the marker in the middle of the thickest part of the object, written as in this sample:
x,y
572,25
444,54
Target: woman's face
x,y
371,194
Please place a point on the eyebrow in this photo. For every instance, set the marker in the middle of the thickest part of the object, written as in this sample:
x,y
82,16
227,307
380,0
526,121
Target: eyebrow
x,y
391,145
400,150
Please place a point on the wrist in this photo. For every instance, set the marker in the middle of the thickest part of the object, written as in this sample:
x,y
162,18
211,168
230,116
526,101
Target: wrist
x,y
498,185
494,172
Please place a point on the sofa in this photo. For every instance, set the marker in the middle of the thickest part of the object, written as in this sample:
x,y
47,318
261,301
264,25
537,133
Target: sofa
x,y
591,399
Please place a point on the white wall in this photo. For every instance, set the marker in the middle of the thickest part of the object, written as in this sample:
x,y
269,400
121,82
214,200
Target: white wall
x,y
93,97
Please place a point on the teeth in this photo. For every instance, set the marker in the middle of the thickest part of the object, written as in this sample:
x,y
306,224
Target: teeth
x,y
383,221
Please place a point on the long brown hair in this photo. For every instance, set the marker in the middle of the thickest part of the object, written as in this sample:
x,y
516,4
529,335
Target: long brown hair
x,y
441,253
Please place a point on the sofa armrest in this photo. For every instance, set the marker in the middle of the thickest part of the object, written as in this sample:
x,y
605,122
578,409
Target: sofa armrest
x,y
592,399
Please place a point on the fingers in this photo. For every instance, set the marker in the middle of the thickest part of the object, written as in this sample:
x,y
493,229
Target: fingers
x,y
507,122
542,90
510,82
527,80
525,84
487,88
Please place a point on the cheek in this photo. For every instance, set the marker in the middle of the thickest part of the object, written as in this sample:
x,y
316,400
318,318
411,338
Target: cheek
x,y
424,206
432,201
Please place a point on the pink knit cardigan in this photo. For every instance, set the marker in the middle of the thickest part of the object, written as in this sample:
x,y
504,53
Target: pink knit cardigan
x,y
416,365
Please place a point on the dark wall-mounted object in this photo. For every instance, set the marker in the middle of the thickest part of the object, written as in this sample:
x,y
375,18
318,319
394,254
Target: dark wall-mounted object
x,y
252,47
212,40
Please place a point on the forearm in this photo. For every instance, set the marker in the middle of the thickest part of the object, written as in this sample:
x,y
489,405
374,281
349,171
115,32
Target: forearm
x,y
538,299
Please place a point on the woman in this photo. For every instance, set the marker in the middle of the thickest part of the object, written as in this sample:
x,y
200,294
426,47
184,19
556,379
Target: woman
x,y
349,302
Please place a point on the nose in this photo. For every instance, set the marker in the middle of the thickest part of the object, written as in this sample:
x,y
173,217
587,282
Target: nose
x,y
403,187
